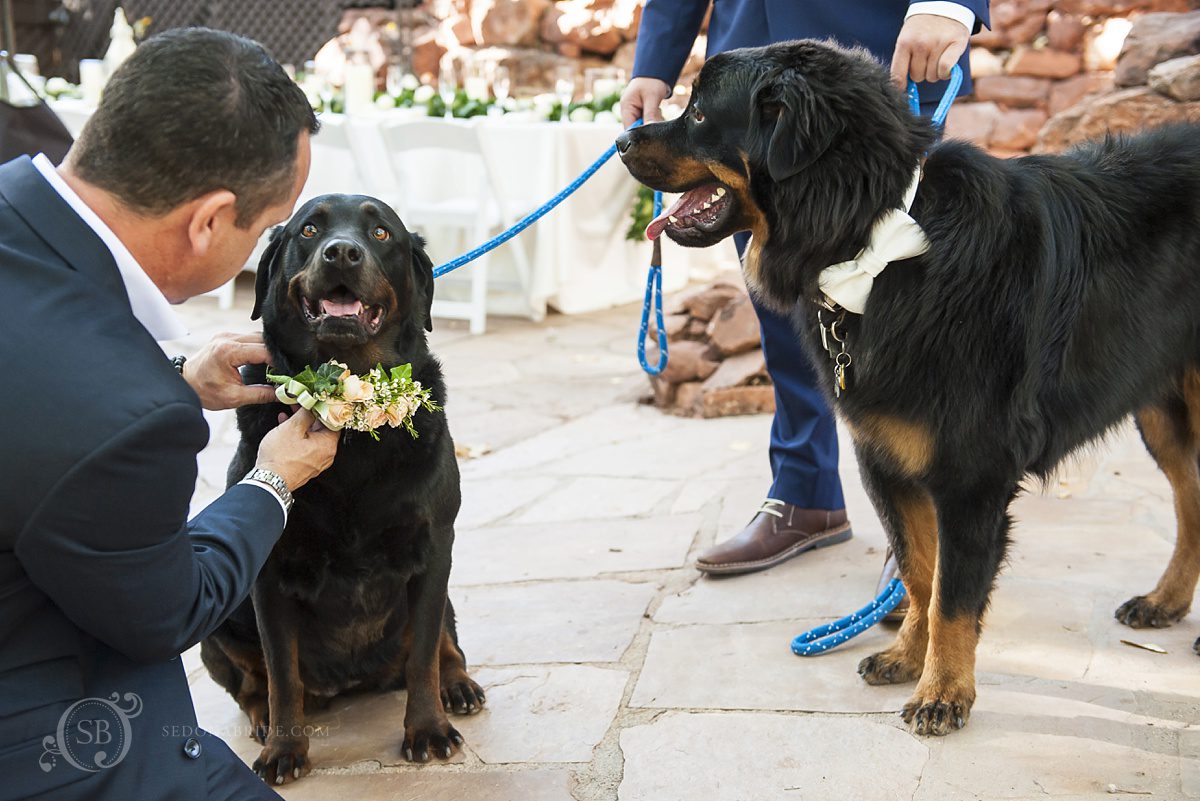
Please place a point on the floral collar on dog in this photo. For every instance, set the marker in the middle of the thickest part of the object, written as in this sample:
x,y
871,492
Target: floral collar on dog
x,y
894,237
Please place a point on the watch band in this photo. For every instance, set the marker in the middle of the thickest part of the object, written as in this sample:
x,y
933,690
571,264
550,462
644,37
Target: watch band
x,y
177,362
275,482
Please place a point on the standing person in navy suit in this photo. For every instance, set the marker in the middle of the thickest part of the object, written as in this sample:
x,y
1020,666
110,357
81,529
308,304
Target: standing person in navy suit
x,y
200,142
804,508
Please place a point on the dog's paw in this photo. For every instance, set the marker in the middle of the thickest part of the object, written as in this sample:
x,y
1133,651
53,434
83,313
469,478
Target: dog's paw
x,y
935,713
1141,612
889,667
439,738
463,696
282,760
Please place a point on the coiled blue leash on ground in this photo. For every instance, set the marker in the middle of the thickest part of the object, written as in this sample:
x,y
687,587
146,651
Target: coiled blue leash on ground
x,y
653,279
824,638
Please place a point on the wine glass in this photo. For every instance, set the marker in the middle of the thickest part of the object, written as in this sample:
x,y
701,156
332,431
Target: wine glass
x,y
447,86
564,88
501,83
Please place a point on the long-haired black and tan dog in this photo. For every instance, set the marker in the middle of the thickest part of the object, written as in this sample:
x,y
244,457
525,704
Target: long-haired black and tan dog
x,y
1058,295
353,597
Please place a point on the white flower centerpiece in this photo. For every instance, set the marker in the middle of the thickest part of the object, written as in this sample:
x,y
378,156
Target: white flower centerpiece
x,y
343,400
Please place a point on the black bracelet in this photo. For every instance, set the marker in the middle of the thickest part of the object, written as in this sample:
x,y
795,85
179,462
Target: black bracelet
x,y
177,362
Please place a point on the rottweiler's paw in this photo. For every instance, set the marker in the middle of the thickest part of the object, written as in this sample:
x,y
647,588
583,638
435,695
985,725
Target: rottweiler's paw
x,y
889,667
1142,612
439,738
462,696
284,759
936,718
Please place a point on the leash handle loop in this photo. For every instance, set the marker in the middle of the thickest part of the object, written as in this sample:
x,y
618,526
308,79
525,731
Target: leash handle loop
x,y
823,638
653,300
943,107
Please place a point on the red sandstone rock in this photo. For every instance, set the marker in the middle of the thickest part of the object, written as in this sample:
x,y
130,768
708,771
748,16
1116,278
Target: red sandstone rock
x,y
734,329
1043,63
739,400
1178,78
741,370
1156,38
1064,94
1017,130
506,22
1064,31
689,361
973,122
1125,111
1013,90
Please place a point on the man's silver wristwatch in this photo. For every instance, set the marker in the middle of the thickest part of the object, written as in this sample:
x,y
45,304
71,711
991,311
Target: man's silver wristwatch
x,y
275,482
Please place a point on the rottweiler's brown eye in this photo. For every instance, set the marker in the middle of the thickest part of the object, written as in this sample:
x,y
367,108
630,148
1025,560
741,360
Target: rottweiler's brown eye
x,y
381,234
308,231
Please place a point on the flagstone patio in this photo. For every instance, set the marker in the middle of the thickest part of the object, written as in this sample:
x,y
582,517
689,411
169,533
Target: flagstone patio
x,y
614,672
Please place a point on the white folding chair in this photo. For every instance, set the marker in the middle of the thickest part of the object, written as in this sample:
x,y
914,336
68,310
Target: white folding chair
x,y
477,211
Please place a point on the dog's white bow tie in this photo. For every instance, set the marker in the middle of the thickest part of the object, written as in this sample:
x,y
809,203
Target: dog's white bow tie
x,y
894,237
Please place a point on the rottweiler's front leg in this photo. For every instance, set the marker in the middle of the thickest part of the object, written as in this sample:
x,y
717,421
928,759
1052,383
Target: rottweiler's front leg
x,y
426,727
285,754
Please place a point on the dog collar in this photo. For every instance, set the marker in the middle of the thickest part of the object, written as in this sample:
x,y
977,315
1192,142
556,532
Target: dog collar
x,y
894,236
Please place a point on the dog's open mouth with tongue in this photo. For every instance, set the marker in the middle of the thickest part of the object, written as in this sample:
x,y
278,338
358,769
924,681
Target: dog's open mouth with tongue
x,y
341,310
702,210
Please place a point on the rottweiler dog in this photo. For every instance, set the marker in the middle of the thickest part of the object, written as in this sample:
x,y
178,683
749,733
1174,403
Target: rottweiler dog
x,y
353,597
1057,296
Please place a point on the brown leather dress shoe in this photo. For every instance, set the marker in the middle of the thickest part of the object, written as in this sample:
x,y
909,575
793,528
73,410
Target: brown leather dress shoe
x,y
891,570
777,533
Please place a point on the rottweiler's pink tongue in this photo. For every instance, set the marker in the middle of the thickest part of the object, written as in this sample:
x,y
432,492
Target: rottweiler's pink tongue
x,y
688,203
337,308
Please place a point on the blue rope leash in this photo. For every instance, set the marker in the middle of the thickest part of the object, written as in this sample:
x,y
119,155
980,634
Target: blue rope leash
x,y
653,278
831,635
653,299
529,219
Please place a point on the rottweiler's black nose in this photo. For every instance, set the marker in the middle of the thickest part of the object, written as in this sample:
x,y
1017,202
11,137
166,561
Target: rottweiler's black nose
x,y
340,250
624,142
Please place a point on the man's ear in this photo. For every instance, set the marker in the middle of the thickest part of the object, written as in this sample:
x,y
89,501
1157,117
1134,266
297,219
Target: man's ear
x,y
423,266
791,124
266,270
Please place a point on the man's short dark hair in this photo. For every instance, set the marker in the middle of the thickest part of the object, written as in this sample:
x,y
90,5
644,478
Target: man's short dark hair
x,y
195,110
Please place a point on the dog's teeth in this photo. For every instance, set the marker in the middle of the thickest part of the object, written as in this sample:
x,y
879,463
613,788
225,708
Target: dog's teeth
x,y
715,197
672,219
704,206
720,191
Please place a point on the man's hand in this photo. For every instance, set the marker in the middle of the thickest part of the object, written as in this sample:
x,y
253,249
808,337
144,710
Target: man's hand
x,y
213,372
298,450
642,99
928,47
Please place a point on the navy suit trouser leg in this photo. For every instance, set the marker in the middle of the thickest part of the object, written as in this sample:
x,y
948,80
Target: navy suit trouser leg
x,y
804,446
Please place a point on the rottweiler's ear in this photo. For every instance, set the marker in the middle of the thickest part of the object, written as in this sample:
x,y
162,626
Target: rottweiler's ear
x,y
266,269
423,266
791,125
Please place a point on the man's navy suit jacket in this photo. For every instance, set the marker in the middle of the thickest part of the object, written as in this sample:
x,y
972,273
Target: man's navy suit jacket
x,y
103,581
669,28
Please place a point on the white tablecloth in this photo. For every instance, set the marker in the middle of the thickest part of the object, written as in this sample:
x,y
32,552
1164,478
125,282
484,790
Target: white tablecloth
x,y
579,256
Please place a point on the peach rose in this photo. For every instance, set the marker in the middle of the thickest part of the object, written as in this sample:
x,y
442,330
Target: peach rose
x,y
376,417
400,410
337,414
355,390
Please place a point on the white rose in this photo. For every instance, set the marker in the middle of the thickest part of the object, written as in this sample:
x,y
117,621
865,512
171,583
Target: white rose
x,y
410,81
423,94
385,101
355,390
582,114
604,116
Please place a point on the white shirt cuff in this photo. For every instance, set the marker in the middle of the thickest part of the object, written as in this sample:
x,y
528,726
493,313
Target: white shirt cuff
x,y
270,489
944,8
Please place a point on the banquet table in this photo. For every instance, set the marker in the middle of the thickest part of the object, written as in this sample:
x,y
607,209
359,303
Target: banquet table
x,y
580,260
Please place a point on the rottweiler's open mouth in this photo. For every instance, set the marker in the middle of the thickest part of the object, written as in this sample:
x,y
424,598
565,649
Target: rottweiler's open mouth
x,y
340,306
704,207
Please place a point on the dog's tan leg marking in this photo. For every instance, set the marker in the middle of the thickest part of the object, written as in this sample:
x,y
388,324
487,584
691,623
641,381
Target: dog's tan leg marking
x,y
908,445
904,660
943,698
1171,437
459,692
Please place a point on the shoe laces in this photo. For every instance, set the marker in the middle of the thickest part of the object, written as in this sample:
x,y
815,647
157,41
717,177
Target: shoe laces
x,y
769,508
